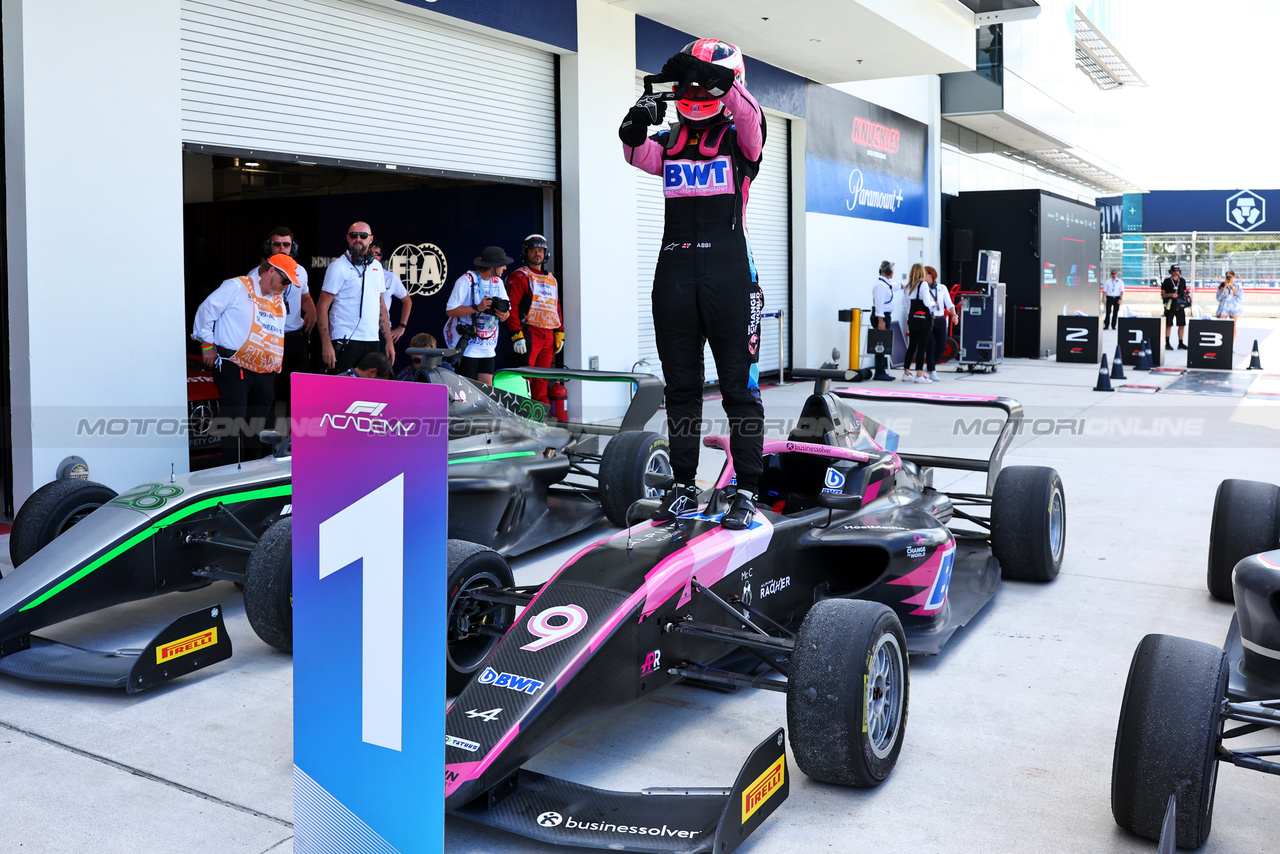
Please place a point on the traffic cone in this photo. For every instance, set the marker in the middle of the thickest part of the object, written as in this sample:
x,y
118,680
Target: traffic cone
x,y
1255,361
1117,365
1104,378
1144,356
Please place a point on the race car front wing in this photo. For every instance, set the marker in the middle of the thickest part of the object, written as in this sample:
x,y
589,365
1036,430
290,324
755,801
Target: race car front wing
x,y
663,821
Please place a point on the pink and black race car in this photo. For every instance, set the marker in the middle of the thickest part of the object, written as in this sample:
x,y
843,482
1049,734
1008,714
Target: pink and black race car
x,y
853,561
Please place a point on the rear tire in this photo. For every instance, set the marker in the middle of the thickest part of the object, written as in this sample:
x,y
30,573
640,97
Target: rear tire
x,y
268,586
1245,522
950,350
847,692
1167,738
473,627
1029,523
51,511
622,468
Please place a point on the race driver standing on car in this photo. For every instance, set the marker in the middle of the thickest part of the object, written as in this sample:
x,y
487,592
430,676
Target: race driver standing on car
x,y
536,322
705,287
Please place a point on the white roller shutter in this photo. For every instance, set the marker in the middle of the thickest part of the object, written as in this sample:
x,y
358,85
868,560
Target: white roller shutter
x,y
768,227
355,81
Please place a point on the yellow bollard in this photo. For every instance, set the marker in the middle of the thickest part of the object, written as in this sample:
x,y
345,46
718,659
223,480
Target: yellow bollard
x,y
855,340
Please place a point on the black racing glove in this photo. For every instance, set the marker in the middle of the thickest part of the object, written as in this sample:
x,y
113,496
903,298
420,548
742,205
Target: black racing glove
x,y
635,127
716,79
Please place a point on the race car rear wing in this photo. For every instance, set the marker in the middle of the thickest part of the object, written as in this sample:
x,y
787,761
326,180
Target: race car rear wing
x,y
1013,421
644,402
661,821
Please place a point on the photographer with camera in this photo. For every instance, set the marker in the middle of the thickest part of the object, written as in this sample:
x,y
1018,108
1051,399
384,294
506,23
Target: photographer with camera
x,y
1177,299
477,305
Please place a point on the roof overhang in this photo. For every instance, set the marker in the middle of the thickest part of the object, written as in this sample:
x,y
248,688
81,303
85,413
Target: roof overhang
x,y
837,41
1099,59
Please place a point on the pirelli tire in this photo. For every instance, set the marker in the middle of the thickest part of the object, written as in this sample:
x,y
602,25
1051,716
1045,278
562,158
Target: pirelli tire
x,y
473,626
1167,738
268,586
1246,521
1029,523
52,510
847,692
626,459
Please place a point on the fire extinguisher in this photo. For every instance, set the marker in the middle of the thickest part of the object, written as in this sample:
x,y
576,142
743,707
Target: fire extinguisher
x,y
559,401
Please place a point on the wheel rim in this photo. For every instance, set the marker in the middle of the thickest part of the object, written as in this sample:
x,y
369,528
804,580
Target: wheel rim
x,y
75,516
1057,525
660,463
474,626
885,694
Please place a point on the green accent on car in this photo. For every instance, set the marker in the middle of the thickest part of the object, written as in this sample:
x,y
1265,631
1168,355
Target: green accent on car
x,y
485,459
176,516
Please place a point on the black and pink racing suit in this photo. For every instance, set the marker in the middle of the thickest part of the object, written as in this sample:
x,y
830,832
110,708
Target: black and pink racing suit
x,y
705,287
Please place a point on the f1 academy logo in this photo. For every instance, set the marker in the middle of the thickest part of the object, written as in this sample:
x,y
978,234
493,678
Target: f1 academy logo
x,y
1246,210
363,416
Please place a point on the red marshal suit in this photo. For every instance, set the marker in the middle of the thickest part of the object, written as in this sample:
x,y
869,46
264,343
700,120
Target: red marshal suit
x,y
535,310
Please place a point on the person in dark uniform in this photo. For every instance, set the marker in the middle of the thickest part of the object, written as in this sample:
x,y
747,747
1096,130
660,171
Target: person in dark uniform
x,y
705,288
1177,299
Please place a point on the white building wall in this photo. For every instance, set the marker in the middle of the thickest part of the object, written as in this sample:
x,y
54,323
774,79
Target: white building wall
x,y
94,172
598,205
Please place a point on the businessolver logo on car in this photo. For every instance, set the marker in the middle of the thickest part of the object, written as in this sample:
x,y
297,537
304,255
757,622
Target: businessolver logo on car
x,y
555,819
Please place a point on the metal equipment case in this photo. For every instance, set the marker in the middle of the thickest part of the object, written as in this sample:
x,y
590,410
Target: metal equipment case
x,y
982,329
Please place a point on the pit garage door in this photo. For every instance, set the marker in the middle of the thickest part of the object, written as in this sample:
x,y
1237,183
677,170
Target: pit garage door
x,y
352,83
770,235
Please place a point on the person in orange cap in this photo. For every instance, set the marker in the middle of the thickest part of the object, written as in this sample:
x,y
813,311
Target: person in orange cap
x,y
240,327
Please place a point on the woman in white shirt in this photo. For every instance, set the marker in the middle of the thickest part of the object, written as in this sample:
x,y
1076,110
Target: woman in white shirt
x,y
920,306
942,307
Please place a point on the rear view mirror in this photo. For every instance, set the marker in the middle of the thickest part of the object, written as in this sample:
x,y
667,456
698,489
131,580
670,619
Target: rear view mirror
x,y
839,501
659,480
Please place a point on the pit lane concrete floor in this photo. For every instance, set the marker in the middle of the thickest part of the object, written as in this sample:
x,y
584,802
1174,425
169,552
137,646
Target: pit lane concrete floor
x,y
1009,742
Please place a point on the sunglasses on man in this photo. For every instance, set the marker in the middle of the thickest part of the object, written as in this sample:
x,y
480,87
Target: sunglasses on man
x,y
357,235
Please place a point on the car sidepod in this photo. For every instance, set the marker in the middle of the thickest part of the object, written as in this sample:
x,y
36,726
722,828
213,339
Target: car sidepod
x,y
904,558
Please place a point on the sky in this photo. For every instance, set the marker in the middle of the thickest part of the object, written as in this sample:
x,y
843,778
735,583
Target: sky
x,y
1209,117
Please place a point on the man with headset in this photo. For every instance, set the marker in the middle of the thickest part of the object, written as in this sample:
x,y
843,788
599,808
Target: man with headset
x,y
300,310
351,308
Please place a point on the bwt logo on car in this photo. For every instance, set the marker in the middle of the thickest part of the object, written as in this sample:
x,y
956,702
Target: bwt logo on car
x,y
510,681
363,417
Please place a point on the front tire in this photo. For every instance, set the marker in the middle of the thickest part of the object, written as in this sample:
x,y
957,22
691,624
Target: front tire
x,y
1167,738
1029,523
473,627
627,458
1245,522
268,586
847,692
51,511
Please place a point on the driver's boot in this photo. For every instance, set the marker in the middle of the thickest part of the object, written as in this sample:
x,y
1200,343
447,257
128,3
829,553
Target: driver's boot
x,y
680,498
741,511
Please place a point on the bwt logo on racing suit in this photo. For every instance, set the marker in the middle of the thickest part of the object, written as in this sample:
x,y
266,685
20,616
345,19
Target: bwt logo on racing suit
x,y
697,177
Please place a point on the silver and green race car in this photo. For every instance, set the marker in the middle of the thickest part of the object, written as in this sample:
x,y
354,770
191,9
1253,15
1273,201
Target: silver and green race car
x,y
516,482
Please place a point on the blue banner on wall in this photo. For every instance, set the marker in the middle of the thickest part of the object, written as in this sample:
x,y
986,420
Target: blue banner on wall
x,y
553,22
369,531
864,161
1162,211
